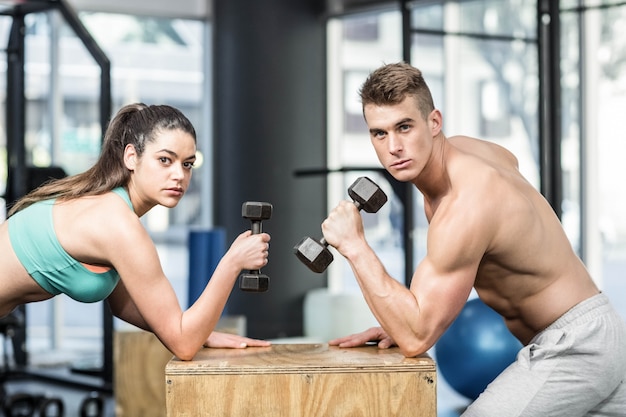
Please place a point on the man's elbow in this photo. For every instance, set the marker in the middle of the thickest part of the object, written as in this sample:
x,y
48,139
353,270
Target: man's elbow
x,y
413,347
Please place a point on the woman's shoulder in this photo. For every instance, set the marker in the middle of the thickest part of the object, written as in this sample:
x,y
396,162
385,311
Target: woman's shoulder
x,y
123,194
97,208
92,225
116,204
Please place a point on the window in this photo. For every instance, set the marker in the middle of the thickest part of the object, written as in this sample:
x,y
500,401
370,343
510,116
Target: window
x,y
480,61
594,94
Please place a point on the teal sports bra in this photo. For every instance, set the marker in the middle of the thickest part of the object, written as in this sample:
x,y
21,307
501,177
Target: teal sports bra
x,y
35,243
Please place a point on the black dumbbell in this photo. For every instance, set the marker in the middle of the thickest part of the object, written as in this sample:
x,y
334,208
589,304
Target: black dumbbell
x,y
92,405
256,212
19,405
51,407
366,195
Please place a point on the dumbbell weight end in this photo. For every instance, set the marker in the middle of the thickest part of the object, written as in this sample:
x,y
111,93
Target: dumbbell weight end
x,y
314,254
254,282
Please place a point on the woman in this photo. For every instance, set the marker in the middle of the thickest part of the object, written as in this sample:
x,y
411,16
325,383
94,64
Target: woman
x,y
82,236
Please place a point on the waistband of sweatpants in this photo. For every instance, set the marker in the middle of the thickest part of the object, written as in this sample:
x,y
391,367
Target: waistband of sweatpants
x,y
585,311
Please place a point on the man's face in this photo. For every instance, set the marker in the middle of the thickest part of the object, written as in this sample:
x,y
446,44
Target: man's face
x,y
401,137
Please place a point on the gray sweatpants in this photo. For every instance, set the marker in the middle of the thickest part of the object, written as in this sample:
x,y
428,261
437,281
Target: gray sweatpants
x,y
575,367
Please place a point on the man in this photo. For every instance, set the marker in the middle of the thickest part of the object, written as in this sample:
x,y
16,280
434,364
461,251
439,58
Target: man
x,y
491,230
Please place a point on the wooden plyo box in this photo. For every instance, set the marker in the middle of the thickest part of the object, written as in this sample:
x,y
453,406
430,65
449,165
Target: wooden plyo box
x,y
301,380
139,365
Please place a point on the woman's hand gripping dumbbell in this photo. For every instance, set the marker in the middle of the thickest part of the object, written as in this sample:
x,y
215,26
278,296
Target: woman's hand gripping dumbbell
x,y
256,212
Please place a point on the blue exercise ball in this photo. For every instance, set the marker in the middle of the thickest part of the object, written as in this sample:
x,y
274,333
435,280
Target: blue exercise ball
x,y
475,349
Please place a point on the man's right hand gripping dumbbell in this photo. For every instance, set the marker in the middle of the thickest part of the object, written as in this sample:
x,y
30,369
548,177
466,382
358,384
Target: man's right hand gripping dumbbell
x,y
315,254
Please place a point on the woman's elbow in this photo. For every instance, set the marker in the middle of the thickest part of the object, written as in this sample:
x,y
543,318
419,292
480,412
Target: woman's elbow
x,y
185,353
185,356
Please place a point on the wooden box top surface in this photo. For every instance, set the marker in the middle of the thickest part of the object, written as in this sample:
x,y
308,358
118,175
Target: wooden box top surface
x,y
298,358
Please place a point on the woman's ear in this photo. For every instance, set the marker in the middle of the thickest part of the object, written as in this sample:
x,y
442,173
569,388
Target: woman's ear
x,y
130,157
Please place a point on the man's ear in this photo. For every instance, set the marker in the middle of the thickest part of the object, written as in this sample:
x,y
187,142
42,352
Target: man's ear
x,y
130,157
435,121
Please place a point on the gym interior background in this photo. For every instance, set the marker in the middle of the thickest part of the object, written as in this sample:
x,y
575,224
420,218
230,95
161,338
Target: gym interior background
x,y
271,87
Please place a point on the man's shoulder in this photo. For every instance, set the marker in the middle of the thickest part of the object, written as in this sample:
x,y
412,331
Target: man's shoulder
x,y
487,152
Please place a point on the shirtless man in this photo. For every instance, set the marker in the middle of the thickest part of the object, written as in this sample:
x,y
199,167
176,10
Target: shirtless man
x,y
491,230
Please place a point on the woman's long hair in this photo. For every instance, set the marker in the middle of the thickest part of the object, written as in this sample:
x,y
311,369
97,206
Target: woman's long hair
x,y
134,124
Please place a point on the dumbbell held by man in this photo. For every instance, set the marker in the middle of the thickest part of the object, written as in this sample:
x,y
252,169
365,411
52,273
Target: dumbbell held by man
x,y
367,196
256,212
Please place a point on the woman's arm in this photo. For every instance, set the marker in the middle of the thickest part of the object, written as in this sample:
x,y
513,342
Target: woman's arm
x,y
146,298
125,309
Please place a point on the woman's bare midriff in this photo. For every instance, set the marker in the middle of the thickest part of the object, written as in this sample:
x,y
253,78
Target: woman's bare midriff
x,y
16,286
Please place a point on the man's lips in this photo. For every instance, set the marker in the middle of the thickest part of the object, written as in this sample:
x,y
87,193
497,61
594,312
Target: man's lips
x,y
402,163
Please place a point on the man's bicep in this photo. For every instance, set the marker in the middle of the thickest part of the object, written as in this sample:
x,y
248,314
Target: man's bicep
x,y
444,278
440,295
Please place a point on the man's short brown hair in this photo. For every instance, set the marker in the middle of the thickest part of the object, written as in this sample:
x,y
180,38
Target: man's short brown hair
x,y
392,83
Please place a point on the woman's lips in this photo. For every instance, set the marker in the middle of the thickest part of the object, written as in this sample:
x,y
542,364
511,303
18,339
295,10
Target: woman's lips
x,y
175,191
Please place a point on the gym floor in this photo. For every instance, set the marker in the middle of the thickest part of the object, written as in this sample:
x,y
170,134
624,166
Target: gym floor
x,y
72,399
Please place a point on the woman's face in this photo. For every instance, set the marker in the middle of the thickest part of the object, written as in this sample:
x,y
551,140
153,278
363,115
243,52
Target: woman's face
x,y
162,174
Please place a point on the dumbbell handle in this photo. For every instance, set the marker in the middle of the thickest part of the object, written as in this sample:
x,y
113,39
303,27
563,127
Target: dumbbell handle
x,y
323,239
257,229
254,280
